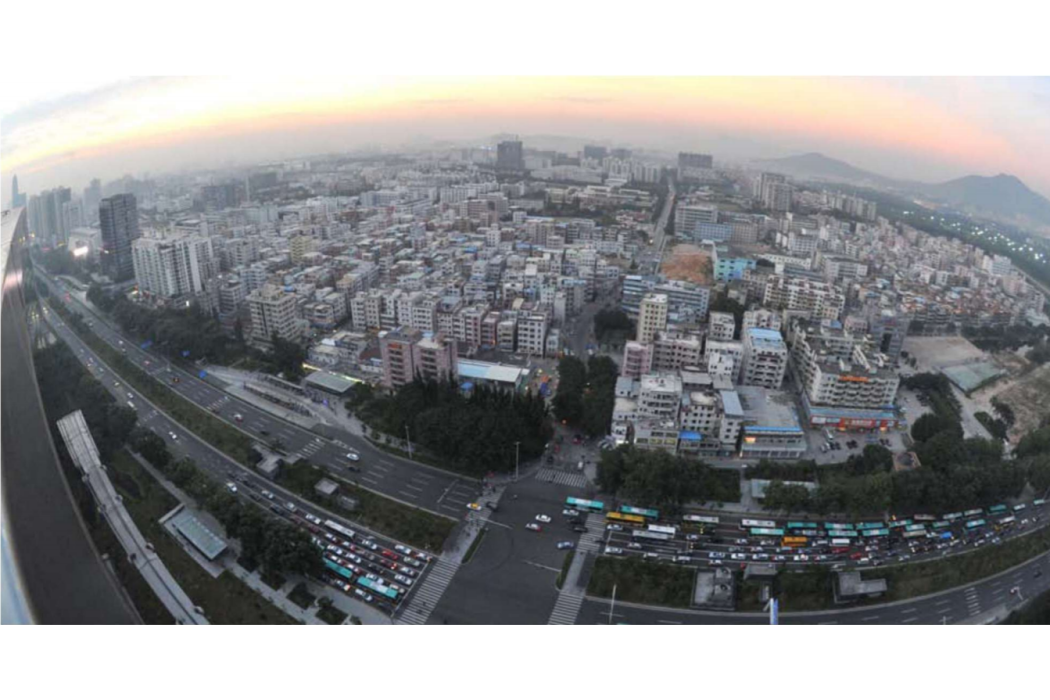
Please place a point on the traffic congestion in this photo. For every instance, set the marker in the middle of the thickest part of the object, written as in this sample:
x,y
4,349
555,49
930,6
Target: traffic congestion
x,y
695,539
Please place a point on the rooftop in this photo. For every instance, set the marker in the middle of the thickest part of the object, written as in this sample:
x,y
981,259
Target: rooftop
x,y
489,371
209,544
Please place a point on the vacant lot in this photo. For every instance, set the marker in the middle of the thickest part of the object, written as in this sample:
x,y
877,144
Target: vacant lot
x,y
934,353
688,262
1029,397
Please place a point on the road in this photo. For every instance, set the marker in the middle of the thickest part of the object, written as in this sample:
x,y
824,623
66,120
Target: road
x,y
251,487
409,482
976,602
655,253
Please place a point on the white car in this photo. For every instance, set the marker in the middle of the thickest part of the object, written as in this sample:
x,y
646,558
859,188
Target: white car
x,y
353,456
543,518
231,487
269,495
173,436
613,550
571,512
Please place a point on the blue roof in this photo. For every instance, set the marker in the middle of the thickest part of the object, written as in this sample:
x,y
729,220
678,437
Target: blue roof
x,y
690,435
764,333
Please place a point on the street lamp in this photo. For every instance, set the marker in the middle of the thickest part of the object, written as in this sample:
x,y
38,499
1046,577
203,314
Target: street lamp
x,y
517,458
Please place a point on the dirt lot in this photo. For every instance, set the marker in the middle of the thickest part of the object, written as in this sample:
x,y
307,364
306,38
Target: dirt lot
x,y
934,353
1029,397
688,262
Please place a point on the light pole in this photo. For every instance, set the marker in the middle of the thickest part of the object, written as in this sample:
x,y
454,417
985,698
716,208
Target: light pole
x,y
408,439
612,604
517,458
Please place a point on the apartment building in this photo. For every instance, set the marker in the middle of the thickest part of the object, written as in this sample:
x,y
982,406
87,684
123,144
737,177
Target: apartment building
x,y
273,312
765,358
637,359
408,352
652,317
722,326
673,351
659,395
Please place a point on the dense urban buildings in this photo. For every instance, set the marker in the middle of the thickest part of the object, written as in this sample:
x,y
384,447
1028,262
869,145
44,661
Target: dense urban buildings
x,y
119,221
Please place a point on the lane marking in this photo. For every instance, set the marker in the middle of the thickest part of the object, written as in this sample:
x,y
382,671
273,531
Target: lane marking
x,y
669,622
869,617
409,495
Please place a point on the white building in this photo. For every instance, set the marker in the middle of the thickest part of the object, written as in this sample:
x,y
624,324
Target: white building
x,y
765,358
722,326
652,317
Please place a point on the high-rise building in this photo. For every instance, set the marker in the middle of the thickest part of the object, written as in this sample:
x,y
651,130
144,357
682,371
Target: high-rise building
x,y
18,199
273,313
689,215
173,267
652,317
510,156
408,352
118,218
595,152
92,198
765,358
774,192
722,326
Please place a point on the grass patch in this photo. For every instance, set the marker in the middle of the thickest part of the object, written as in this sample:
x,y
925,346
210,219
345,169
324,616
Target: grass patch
x,y
226,600
640,581
474,546
564,569
220,435
332,615
413,526
301,597
811,589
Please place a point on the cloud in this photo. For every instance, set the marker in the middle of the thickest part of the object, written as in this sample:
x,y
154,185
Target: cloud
x,y
73,102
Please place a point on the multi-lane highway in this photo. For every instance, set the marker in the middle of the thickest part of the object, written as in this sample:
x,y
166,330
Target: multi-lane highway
x,y
249,486
410,482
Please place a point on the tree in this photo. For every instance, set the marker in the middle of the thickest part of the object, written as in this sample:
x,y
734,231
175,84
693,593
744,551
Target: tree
x,y
931,424
151,446
789,498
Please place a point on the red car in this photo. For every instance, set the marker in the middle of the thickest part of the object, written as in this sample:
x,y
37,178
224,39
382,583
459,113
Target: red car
x,y
856,555
390,555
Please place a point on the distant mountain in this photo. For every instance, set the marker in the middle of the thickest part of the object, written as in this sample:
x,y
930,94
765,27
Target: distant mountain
x,y
819,166
1002,195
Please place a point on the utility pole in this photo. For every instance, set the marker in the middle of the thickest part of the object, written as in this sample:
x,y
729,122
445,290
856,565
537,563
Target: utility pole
x,y
409,441
517,458
612,604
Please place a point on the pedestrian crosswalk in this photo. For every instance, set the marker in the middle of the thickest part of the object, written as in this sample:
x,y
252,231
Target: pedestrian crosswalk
x,y
311,448
219,403
973,602
566,609
591,541
563,478
429,594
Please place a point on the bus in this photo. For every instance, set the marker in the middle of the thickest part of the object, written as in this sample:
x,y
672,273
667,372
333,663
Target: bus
x,y
670,530
876,532
336,527
914,528
840,542
644,512
835,534
996,509
810,533
649,535
379,588
613,517
592,506
1039,502
802,526
794,541
941,524
971,513
869,526
952,517
838,526
766,532
745,524
345,573
1007,520
700,519
912,534
974,524
1019,507
899,523
924,518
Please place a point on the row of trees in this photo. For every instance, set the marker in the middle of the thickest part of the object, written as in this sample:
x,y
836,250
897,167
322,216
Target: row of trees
x,y
66,386
474,433
665,481
277,546
612,323
586,393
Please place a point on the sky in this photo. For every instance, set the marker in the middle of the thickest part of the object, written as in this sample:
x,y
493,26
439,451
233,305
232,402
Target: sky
x,y
930,129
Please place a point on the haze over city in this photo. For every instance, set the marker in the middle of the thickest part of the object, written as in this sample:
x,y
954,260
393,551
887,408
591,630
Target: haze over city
x,y
525,349
909,128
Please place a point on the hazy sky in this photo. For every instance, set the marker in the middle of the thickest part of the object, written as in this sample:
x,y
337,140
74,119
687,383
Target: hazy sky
x,y
921,128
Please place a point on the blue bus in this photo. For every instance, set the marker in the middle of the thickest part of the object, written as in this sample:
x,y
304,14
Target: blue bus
x,y
644,512
914,528
345,573
802,526
974,524
941,524
869,526
899,523
951,517
996,509
592,506
379,588
1039,502
838,526
838,534
876,532
767,531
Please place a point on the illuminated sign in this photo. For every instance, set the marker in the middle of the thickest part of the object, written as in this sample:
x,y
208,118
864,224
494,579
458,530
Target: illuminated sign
x,y
863,380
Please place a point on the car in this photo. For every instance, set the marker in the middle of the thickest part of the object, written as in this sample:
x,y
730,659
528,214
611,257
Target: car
x,y
716,555
264,432
571,512
543,518
231,487
353,456
407,571
760,557
130,395
371,545
412,562
238,417
290,506
634,545
390,555
682,559
175,380
579,528
613,550
367,597
403,549
267,494
652,555
533,526
739,556
565,545
474,506
131,406
615,527
116,385
401,578
693,537
742,540
370,576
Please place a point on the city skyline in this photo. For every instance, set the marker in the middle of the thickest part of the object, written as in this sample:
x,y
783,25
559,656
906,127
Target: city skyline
x,y
928,129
